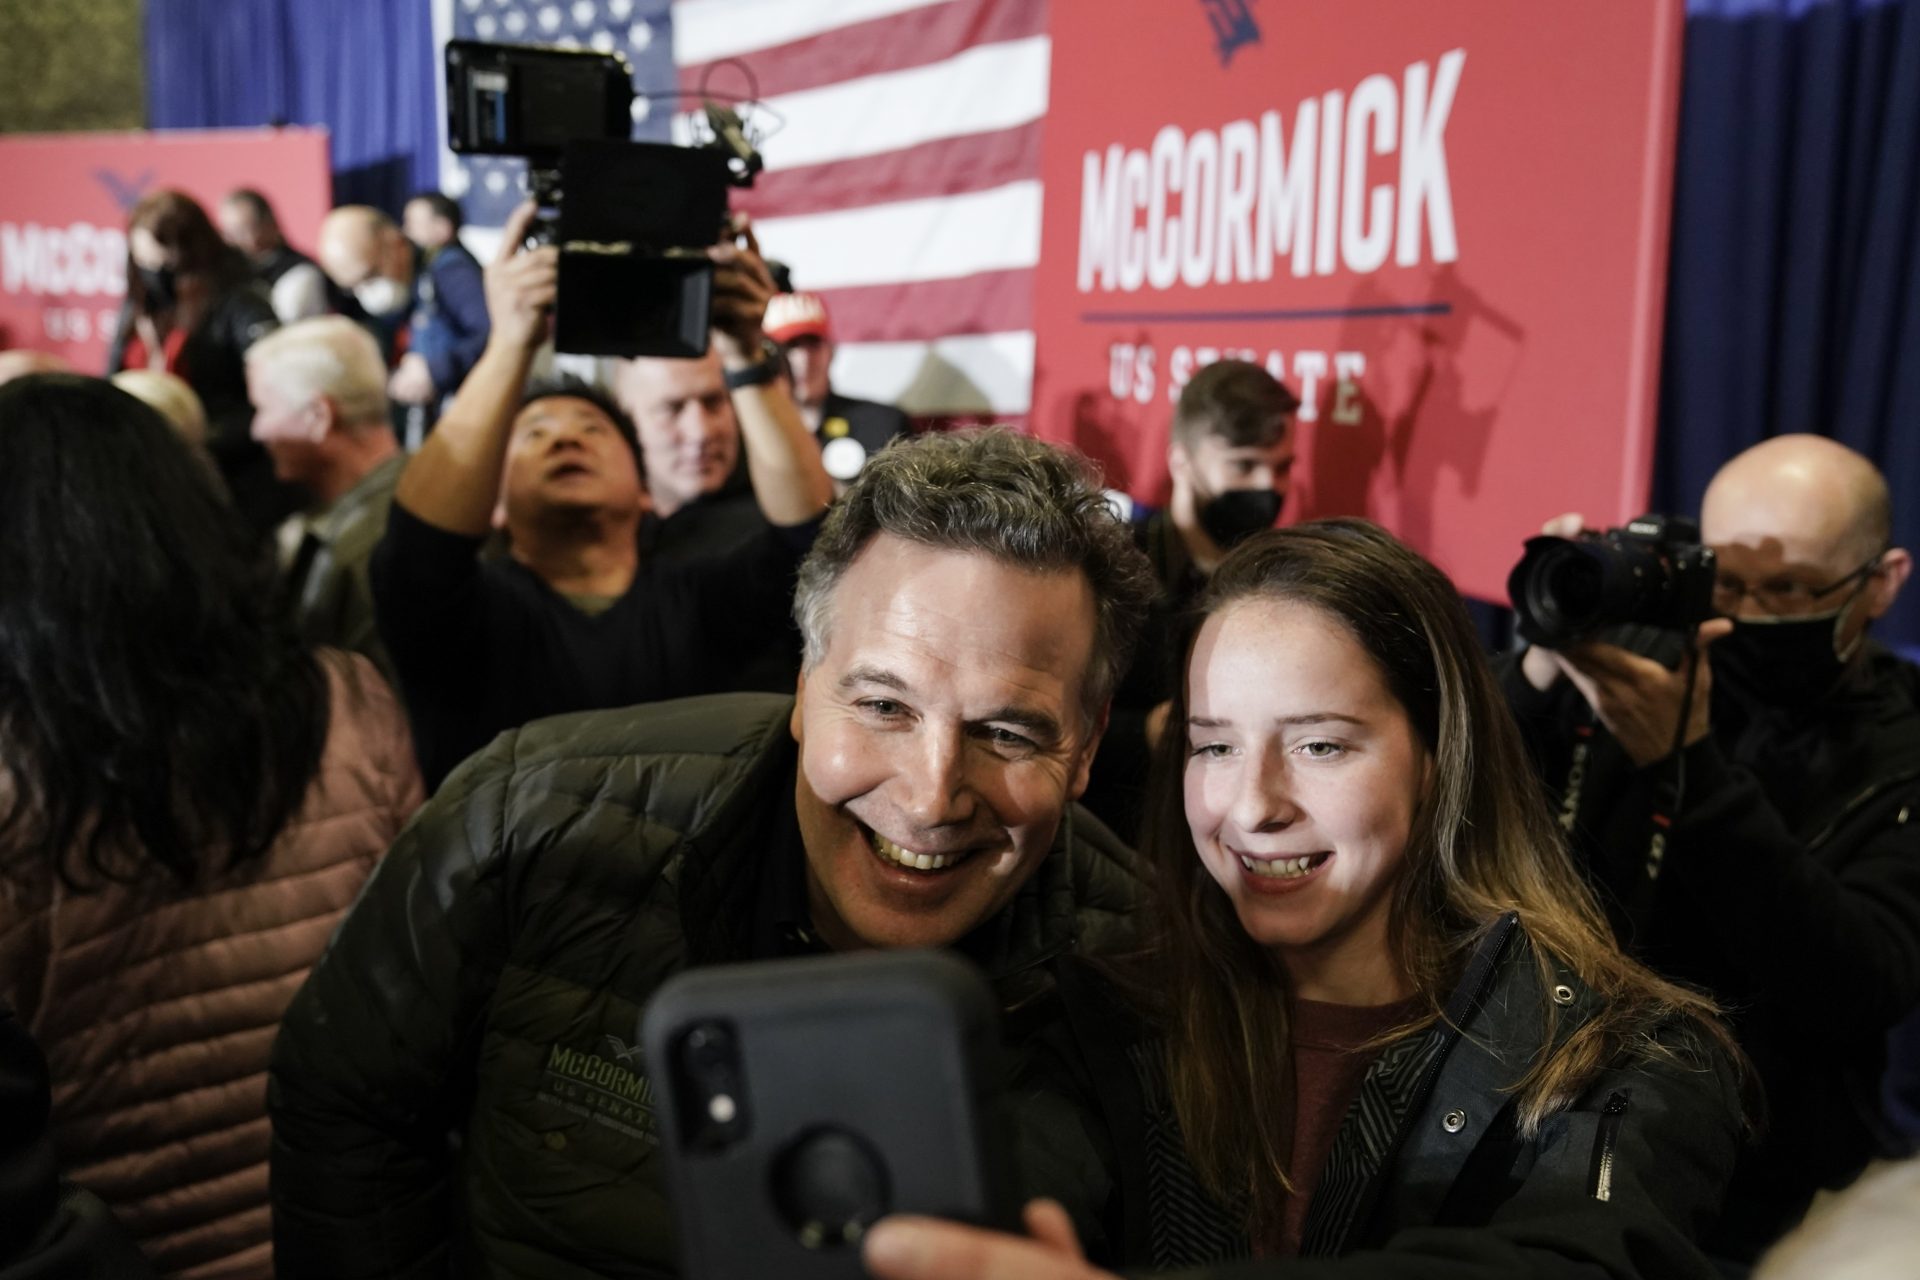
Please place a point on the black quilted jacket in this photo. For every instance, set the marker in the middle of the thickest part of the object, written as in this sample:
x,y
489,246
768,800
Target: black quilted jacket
x,y
456,1089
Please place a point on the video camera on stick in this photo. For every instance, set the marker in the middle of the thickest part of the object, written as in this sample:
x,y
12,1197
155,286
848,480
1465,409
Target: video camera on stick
x,y
632,219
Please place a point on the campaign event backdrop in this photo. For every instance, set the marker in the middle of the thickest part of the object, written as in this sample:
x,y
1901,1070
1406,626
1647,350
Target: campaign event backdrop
x,y
1443,226
64,206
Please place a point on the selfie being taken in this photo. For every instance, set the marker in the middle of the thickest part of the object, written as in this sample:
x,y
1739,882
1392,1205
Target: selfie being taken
x,y
959,640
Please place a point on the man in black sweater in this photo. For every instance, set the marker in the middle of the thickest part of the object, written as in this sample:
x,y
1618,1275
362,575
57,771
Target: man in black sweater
x,y
1774,860
576,617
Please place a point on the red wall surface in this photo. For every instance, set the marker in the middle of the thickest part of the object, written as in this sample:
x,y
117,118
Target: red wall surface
x,y
1443,225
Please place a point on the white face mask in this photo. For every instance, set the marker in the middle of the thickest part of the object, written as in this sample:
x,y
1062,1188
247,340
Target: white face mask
x,y
380,295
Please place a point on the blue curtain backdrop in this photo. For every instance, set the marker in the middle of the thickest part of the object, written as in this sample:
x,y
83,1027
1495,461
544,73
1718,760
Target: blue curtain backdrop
x,y
363,68
1793,298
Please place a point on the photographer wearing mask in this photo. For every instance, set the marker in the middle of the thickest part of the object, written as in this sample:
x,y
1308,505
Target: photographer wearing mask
x,y
1771,859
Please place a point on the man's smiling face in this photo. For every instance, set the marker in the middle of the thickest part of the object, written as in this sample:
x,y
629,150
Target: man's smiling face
x,y
942,735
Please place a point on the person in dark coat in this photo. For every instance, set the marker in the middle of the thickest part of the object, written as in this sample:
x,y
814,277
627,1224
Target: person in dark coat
x,y
1382,1029
192,309
1774,859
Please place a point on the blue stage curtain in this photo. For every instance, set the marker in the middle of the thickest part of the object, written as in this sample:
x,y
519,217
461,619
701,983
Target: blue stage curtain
x,y
1794,292
363,68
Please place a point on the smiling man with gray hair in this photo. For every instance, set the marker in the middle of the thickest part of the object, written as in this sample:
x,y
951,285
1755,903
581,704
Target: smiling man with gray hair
x,y
967,609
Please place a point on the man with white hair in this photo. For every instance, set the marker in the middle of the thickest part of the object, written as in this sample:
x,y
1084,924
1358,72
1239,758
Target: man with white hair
x,y
319,392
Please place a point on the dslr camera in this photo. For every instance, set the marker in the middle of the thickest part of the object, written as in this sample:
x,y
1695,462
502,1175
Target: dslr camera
x,y
633,220
1652,573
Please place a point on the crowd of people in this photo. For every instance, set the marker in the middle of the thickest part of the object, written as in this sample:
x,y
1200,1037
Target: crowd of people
x,y
385,716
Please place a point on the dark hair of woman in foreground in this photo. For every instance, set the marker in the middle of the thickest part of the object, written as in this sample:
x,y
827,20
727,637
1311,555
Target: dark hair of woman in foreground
x,y
150,696
1482,845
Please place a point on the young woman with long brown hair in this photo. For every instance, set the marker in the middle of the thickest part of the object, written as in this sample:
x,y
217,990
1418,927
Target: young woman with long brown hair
x,y
1384,1025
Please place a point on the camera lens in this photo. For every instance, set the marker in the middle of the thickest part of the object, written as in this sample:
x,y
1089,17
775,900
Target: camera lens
x,y
1559,590
709,1091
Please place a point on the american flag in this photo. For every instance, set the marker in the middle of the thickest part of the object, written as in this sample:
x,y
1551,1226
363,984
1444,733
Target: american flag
x,y
902,181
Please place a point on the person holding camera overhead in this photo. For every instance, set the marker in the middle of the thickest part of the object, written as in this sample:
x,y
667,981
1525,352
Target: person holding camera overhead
x,y
1774,858
575,618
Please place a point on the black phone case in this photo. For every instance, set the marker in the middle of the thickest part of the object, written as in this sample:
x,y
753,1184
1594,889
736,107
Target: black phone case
x,y
846,1064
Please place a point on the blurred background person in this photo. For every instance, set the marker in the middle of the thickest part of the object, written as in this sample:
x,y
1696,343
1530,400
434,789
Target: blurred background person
x,y
294,282
172,397
799,323
1230,454
192,309
18,364
191,798
428,306
319,392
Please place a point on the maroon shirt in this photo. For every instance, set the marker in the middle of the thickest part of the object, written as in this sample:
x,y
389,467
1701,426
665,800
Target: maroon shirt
x,y
1329,1064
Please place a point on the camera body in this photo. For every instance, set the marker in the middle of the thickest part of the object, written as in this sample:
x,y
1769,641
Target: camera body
x,y
632,220
1653,572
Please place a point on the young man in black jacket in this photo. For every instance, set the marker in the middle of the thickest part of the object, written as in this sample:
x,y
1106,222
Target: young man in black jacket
x,y
1773,861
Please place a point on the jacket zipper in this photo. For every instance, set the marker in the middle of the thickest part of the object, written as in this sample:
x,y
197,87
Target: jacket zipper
x,y
1600,1178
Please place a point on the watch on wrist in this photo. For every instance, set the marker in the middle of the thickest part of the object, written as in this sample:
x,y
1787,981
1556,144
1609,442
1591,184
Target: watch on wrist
x,y
771,364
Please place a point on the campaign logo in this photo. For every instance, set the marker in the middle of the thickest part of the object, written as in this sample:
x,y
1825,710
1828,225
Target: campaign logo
x,y
123,193
1233,26
605,1085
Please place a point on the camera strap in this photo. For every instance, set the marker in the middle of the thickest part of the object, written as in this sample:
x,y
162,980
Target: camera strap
x,y
1670,790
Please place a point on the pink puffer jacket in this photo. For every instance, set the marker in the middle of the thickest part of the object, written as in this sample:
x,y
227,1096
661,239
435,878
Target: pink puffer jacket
x,y
157,1006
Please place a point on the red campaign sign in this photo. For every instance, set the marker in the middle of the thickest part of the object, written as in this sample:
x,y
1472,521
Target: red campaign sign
x,y
63,217
1443,225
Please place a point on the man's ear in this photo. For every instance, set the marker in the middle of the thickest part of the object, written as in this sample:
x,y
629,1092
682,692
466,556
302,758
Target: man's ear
x,y
1887,580
1179,465
799,700
322,417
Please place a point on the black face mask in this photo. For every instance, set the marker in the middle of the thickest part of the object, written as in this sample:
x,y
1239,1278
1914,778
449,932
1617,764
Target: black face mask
x,y
1232,517
158,284
1781,661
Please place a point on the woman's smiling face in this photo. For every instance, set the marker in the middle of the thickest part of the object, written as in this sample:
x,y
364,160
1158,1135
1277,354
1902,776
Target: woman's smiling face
x,y
1303,777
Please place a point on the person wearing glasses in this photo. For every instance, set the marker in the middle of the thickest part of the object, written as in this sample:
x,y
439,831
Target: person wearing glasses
x,y
1774,859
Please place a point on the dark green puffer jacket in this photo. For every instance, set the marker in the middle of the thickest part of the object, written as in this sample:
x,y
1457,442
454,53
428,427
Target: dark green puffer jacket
x,y
456,1091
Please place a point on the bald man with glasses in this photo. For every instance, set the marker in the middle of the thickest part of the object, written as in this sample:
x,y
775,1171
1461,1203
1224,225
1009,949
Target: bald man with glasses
x,y
1774,858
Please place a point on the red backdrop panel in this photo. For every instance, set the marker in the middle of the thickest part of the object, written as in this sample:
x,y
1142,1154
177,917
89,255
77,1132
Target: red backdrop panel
x,y
63,216
1444,225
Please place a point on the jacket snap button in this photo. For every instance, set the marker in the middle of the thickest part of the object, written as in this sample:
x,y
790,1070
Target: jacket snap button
x,y
1454,1121
1563,994
556,1141
1906,811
